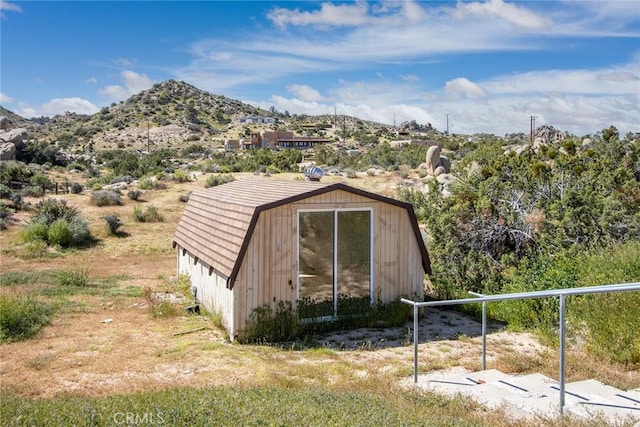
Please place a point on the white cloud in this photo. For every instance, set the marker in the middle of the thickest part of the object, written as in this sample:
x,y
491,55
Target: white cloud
x,y
58,106
304,92
91,80
133,83
515,15
11,7
463,87
622,80
329,15
5,98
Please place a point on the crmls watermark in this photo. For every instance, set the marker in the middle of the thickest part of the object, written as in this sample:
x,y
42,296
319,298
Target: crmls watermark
x,y
137,418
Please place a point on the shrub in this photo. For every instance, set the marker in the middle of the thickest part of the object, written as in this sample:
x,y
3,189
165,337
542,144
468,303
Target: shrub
x,y
151,214
22,317
70,227
49,210
76,188
5,215
33,191
5,192
181,176
73,277
59,233
106,198
18,202
151,184
215,180
134,194
35,230
351,173
113,223
184,198
79,228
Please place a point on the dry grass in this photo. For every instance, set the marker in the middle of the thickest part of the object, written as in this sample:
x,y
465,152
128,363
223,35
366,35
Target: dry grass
x,y
108,342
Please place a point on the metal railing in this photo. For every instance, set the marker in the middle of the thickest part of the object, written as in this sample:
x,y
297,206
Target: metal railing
x,y
484,299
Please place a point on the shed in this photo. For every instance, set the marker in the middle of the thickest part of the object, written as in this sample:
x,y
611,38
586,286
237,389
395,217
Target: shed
x,y
259,241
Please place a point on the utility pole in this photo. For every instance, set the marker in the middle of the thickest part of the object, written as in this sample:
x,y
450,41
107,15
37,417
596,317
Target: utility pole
x,y
447,124
533,127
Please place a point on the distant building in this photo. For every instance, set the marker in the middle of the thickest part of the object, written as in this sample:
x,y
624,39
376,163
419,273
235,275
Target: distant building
x,y
274,140
255,119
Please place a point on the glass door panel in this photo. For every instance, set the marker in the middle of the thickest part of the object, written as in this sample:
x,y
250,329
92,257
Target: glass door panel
x,y
353,261
316,246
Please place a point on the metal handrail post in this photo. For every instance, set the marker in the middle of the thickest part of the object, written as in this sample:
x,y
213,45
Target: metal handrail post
x,y
484,329
562,361
415,344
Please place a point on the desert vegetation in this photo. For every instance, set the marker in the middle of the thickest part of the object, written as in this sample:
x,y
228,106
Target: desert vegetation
x,y
93,325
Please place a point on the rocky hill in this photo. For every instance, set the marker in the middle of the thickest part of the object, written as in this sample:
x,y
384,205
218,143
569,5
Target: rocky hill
x,y
175,114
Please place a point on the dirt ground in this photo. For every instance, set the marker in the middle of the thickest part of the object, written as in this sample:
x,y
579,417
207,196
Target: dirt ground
x,y
109,343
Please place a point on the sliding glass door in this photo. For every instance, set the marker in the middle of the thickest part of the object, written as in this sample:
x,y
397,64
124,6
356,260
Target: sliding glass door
x,y
334,262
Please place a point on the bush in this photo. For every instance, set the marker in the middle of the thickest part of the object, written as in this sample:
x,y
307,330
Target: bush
x,y
70,227
18,202
22,317
76,188
5,192
113,223
215,180
5,215
106,198
33,191
134,194
35,230
181,176
79,228
151,214
59,233
73,277
184,198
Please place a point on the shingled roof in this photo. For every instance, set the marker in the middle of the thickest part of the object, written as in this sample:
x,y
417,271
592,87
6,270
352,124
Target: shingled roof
x,y
218,222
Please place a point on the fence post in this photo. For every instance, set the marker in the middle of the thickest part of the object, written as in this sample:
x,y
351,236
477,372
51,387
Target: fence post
x,y
562,349
484,329
415,343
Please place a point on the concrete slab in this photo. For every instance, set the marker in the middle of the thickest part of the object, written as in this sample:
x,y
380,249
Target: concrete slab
x,y
598,392
536,395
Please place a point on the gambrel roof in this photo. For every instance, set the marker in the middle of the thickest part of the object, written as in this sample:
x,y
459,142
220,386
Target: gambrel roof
x,y
218,222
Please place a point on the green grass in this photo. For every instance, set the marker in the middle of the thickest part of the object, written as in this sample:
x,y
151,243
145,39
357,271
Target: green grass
x,y
22,317
247,407
20,278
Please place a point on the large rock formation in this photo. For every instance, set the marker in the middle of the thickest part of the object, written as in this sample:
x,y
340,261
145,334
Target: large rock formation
x,y
434,163
11,141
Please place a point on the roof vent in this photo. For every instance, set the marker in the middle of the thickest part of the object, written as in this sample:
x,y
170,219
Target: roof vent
x,y
313,173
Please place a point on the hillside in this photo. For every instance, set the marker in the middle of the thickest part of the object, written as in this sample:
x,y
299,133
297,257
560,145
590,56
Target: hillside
x,y
174,114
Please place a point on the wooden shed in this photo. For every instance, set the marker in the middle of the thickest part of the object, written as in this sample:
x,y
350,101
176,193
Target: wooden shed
x,y
259,241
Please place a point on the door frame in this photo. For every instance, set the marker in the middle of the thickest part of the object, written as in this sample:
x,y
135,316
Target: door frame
x,y
335,253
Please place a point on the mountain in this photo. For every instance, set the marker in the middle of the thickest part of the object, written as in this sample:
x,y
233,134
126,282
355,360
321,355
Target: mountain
x,y
175,114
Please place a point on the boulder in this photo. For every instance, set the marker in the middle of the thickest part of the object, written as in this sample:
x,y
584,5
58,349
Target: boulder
x,y
433,159
440,170
436,164
7,151
16,136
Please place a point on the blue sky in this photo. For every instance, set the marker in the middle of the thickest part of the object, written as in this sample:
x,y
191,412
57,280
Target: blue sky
x,y
488,65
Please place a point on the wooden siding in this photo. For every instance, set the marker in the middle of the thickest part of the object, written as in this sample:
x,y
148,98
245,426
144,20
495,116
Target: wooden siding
x,y
246,231
271,259
211,290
